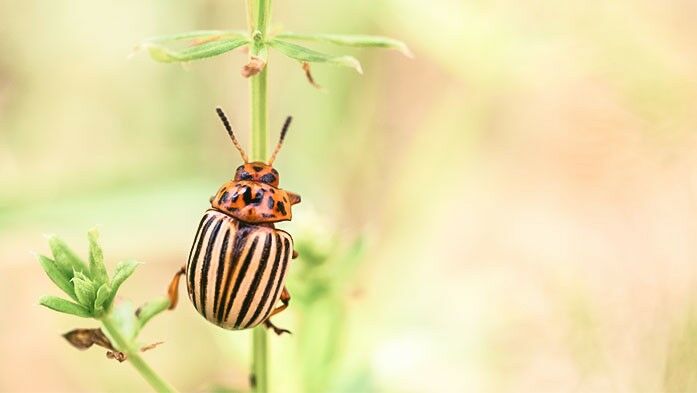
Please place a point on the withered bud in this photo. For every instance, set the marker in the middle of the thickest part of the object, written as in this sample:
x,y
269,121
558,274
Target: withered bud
x,y
120,356
254,67
308,75
85,338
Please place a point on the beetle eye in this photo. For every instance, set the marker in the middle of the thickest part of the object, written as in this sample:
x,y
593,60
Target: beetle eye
x,y
268,178
244,175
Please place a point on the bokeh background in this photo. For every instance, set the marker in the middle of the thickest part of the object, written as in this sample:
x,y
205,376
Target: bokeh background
x,y
513,210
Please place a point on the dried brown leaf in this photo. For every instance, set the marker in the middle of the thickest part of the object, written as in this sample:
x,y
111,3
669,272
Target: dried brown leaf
x,y
120,356
308,75
85,338
151,346
254,67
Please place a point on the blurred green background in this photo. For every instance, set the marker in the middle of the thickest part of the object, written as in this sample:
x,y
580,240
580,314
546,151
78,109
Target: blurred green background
x,y
511,210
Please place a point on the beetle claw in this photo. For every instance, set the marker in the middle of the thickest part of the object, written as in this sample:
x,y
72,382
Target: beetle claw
x,y
279,331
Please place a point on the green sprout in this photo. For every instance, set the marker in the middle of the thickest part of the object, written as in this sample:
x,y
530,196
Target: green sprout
x,y
93,293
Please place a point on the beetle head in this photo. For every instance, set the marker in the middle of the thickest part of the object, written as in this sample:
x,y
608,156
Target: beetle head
x,y
257,171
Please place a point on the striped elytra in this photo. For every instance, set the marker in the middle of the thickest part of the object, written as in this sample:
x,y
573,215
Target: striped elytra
x,y
236,271
237,265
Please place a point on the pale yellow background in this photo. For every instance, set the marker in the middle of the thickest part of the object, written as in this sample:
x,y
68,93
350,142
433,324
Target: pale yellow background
x,y
525,185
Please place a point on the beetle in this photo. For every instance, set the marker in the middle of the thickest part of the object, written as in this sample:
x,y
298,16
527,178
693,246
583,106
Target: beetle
x,y
238,262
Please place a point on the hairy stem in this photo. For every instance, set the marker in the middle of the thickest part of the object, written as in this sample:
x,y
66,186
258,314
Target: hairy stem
x,y
134,357
259,12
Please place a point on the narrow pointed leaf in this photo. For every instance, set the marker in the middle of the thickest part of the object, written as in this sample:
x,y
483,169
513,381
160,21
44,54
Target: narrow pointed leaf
x,y
56,275
103,294
97,268
353,40
208,49
301,53
64,306
150,309
198,34
84,290
123,271
65,258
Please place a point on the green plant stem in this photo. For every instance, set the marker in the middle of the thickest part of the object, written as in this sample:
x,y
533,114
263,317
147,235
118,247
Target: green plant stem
x,y
134,357
259,362
259,12
260,128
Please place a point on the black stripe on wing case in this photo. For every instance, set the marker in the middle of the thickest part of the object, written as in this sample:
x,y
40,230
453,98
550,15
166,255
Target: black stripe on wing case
x,y
269,282
221,269
240,276
238,247
207,264
194,259
251,292
284,263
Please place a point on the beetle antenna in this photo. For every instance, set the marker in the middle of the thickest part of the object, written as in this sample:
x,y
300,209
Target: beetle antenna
x,y
284,130
235,142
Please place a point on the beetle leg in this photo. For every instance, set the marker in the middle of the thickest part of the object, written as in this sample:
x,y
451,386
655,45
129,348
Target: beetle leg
x,y
173,290
275,328
285,299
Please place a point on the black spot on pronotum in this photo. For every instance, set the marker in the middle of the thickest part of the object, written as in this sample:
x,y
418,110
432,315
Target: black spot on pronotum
x,y
224,197
268,178
246,194
281,207
257,168
270,203
244,175
258,197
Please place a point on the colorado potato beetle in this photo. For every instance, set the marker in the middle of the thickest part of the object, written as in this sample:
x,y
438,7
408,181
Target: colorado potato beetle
x,y
237,265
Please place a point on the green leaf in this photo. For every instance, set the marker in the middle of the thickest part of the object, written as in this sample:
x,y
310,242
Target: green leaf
x,y
353,40
65,258
150,309
64,306
208,49
301,53
85,290
201,34
123,271
56,275
103,294
97,268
